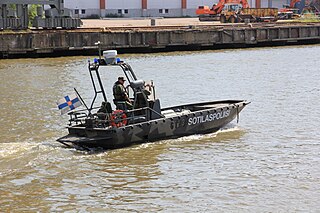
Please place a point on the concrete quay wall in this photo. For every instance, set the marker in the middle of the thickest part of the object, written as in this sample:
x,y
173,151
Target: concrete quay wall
x,y
152,39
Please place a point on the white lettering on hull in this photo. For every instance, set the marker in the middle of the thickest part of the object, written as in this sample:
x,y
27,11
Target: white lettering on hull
x,y
209,117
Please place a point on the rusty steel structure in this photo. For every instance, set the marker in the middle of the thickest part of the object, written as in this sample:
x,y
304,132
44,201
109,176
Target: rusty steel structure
x,y
14,15
82,41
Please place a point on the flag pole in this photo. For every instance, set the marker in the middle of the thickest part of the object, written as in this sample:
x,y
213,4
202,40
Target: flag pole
x,y
82,100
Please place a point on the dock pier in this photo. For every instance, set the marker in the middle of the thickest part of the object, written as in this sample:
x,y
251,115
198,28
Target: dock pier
x,y
59,42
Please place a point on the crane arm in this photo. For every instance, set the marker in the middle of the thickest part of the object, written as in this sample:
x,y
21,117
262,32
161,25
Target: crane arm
x,y
293,2
218,7
245,3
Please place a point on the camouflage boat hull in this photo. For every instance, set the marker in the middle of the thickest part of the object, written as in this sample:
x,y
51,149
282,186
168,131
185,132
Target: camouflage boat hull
x,y
178,121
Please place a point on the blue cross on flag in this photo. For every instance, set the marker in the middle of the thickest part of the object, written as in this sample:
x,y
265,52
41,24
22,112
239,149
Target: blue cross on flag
x,y
68,103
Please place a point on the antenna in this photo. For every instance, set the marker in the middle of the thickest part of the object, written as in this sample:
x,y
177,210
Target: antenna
x,y
98,43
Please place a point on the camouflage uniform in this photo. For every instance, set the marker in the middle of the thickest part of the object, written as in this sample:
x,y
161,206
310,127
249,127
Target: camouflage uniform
x,y
120,94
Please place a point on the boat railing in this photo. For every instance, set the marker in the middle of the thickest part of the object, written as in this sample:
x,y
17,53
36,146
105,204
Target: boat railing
x,y
79,116
147,114
103,120
132,116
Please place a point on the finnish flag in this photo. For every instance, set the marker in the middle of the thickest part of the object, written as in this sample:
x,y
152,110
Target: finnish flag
x,y
68,103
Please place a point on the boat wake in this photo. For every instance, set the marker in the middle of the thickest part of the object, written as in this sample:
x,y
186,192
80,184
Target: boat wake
x,y
230,128
227,133
7,150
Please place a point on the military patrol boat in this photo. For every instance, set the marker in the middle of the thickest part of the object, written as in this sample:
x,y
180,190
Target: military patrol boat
x,y
145,121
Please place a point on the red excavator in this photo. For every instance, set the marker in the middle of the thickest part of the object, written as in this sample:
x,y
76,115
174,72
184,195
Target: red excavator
x,y
208,14
234,11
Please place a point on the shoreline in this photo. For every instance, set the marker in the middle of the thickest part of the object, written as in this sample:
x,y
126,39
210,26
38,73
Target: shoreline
x,y
168,35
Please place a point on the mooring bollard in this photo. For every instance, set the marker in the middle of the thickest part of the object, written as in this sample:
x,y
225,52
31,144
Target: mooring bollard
x,y
153,22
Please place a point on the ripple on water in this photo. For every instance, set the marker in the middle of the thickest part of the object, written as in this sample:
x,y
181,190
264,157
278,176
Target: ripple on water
x,y
266,163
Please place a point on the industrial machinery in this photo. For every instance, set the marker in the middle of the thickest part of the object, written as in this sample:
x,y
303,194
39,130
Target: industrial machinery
x,y
14,15
296,8
236,11
208,14
290,11
312,6
250,14
293,3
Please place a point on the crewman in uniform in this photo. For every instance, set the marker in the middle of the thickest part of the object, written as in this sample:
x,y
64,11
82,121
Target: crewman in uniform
x,y
120,93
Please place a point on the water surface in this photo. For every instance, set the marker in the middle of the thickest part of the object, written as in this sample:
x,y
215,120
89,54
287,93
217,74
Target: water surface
x,y
266,163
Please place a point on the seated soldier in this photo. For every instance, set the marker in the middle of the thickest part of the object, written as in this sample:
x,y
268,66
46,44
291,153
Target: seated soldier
x,y
101,113
120,94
